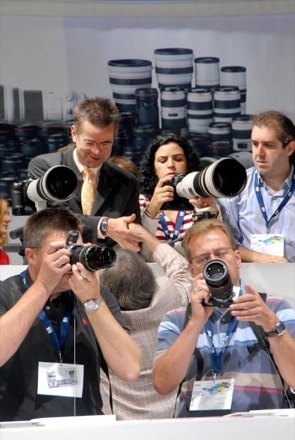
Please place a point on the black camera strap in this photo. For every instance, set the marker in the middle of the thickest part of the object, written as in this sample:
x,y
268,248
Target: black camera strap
x,y
263,344
196,353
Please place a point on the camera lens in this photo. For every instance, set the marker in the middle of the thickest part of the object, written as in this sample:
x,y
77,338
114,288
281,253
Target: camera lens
x,y
225,177
59,183
93,257
219,282
215,272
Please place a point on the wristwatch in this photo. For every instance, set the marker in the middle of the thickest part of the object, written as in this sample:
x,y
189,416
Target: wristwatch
x,y
103,226
93,304
279,330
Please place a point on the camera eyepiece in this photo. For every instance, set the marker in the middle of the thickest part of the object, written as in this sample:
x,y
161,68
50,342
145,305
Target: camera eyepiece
x,y
220,284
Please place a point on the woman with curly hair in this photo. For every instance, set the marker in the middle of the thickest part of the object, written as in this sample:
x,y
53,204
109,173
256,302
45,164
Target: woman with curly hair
x,y
4,222
162,212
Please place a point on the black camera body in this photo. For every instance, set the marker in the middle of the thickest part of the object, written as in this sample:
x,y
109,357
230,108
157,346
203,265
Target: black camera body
x,y
178,203
20,203
92,257
220,284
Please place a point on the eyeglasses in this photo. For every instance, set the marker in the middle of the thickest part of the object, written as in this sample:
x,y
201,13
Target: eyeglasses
x,y
222,253
106,145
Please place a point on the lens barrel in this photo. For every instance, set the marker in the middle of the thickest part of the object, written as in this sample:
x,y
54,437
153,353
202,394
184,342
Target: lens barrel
x,y
93,257
225,177
59,183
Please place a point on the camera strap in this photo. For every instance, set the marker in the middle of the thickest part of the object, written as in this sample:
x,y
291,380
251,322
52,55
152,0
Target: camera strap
x,y
177,228
263,344
57,342
261,204
217,357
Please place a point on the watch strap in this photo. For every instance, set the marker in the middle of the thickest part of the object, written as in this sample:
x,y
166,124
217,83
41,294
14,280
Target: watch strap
x,y
278,330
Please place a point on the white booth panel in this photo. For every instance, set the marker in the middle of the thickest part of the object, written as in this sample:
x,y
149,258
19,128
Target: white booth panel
x,y
272,278
222,428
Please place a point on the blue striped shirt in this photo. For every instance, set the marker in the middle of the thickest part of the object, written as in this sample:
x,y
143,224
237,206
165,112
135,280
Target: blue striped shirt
x,y
242,213
257,385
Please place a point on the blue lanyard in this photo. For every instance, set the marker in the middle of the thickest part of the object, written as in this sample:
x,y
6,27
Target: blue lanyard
x,y
179,222
216,358
261,202
64,325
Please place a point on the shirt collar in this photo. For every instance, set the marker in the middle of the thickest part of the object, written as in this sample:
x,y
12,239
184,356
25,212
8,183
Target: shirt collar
x,y
286,185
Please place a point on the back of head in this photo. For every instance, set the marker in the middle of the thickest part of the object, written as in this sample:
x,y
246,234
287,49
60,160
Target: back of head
x,y
41,223
98,111
147,177
126,163
130,280
205,227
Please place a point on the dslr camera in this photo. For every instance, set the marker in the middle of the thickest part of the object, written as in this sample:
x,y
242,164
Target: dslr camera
x,y
220,284
58,184
225,177
92,257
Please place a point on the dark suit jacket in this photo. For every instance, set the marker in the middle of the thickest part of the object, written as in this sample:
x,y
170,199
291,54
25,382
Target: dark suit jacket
x,y
116,195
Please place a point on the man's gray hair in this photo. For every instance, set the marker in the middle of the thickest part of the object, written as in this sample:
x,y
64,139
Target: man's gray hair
x,y
130,280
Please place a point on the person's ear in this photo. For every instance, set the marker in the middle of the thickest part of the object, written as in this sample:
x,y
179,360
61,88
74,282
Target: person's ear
x,y
238,257
290,148
30,255
74,133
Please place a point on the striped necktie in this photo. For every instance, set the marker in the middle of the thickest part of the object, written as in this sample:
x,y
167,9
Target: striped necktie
x,y
88,190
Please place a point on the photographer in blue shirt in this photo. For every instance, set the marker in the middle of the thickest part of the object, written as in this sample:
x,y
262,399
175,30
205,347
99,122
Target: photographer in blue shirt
x,y
262,216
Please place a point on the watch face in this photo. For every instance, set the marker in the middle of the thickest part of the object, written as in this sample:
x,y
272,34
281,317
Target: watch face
x,y
91,305
104,226
280,327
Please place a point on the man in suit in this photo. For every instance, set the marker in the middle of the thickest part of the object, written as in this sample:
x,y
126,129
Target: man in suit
x,y
116,195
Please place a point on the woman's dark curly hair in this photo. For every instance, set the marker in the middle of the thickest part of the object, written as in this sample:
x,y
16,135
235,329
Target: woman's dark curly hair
x,y
147,176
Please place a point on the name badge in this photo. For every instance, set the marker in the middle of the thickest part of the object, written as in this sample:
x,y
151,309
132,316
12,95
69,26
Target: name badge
x,y
272,244
55,379
212,395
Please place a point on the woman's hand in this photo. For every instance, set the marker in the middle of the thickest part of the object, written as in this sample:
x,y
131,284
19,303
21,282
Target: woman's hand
x,y
163,193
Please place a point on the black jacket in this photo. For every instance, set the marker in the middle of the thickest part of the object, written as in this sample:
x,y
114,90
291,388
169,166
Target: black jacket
x,y
116,195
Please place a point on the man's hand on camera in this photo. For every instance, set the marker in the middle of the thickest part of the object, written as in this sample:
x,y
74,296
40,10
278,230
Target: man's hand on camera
x,y
205,203
54,265
251,307
199,298
83,283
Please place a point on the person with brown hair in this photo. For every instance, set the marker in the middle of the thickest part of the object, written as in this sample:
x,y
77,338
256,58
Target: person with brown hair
x,y
58,326
4,222
126,163
111,193
234,349
262,216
